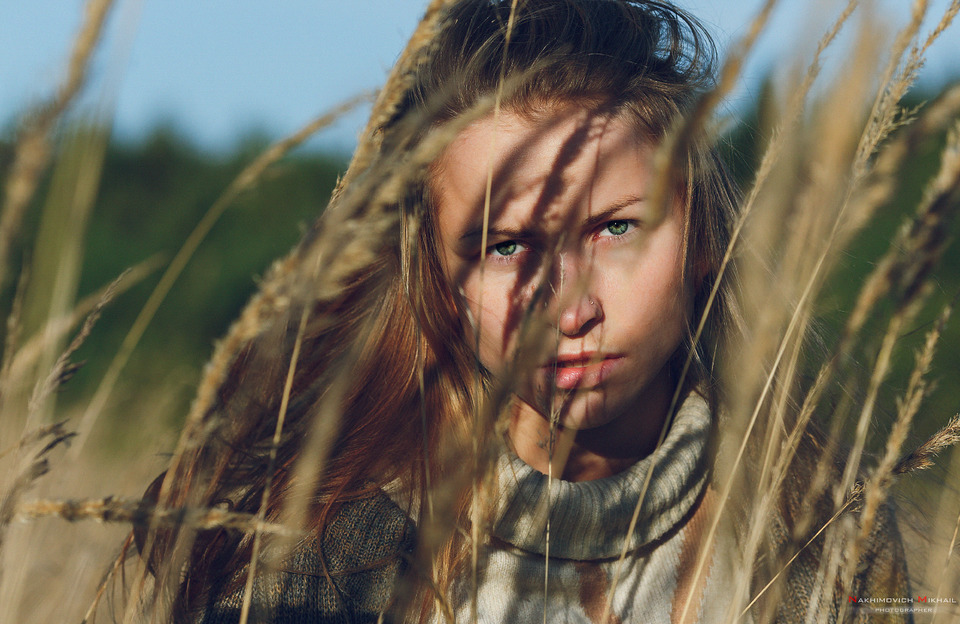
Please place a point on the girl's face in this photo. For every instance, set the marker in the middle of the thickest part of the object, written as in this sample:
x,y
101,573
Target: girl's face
x,y
569,208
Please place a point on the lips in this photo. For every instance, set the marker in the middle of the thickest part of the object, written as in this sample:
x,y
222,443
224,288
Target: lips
x,y
581,371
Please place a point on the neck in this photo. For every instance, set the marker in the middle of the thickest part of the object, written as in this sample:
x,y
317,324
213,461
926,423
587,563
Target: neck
x,y
587,454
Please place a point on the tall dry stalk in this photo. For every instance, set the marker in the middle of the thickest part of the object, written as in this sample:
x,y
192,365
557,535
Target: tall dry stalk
x,y
829,167
33,148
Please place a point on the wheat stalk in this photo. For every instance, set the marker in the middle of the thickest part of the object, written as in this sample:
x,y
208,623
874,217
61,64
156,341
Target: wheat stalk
x,y
249,324
139,512
30,470
33,151
861,175
247,178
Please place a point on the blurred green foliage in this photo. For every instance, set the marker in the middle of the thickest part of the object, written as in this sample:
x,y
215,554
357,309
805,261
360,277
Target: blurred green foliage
x,y
151,195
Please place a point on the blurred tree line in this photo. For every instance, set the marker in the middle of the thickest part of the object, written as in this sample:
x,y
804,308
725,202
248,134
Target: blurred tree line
x,y
151,195
153,192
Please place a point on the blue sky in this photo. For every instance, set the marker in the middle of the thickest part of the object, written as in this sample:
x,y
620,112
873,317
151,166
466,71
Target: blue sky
x,y
216,68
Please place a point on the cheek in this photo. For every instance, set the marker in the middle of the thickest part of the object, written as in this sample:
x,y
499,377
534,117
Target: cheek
x,y
645,296
495,307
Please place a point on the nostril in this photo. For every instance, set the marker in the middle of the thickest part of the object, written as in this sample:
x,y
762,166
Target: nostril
x,y
578,316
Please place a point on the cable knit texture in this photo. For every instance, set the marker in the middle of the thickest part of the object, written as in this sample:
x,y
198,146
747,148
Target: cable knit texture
x,y
557,544
602,509
362,550
566,575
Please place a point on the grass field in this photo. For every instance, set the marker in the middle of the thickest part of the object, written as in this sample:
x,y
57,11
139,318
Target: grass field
x,y
120,265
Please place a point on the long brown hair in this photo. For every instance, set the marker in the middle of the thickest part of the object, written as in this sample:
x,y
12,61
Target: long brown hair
x,y
383,341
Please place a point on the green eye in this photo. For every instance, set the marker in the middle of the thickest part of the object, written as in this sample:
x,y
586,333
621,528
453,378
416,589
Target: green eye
x,y
506,248
618,228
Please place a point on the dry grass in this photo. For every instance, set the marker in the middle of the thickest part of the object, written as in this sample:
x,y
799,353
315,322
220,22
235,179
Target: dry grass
x,y
830,165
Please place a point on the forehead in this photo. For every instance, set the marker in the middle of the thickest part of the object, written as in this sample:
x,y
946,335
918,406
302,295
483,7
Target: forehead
x,y
538,167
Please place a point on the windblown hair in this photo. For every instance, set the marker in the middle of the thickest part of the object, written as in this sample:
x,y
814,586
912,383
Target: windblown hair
x,y
384,362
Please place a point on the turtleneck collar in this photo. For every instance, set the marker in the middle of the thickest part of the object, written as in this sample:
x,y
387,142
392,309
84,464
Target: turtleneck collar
x,y
590,519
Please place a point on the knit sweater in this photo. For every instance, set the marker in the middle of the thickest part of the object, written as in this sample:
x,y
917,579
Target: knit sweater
x,y
557,544
526,576
361,551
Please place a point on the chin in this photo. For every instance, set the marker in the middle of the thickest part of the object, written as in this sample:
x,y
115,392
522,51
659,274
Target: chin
x,y
582,410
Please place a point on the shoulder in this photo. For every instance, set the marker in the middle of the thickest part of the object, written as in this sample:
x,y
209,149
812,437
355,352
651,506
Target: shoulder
x,y
346,574
364,531
880,570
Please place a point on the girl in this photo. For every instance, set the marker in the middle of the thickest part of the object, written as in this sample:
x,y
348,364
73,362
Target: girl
x,y
478,385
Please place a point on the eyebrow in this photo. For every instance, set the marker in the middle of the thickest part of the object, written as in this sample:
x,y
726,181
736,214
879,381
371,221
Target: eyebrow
x,y
511,233
496,232
612,210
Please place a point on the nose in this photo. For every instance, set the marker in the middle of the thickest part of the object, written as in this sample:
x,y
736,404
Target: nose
x,y
573,309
